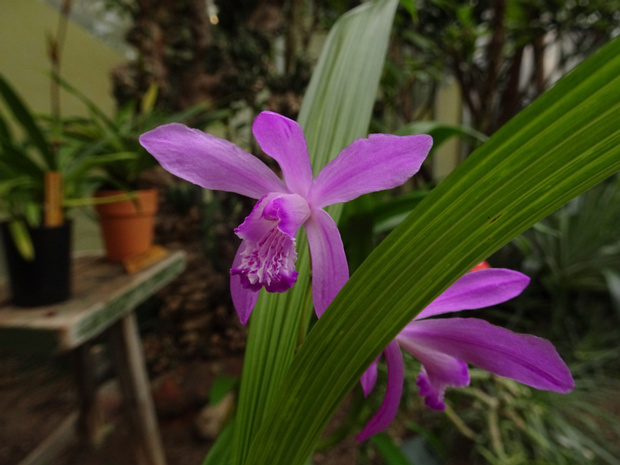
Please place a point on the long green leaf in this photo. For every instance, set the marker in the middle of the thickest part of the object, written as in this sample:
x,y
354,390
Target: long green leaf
x,y
220,451
390,452
336,110
21,239
563,144
17,159
441,131
26,120
97,114
86,165
6,138
338,103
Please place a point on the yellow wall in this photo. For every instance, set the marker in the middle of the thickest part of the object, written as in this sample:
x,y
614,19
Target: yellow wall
x,y
448,109
86,64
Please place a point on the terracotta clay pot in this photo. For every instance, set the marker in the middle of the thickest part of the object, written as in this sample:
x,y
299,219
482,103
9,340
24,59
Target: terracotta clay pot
x,y
127,226
46,279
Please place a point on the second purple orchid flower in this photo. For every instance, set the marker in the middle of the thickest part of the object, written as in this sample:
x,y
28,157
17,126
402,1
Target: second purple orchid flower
x,y
444,346
266,257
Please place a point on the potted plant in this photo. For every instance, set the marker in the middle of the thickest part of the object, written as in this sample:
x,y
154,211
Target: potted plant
x,y
127,225
40,178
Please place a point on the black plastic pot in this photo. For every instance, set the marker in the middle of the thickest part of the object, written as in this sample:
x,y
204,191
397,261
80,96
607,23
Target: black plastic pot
x,y
46,279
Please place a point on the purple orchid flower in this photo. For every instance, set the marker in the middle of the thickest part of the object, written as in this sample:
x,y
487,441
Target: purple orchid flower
x,y
266,257
444,346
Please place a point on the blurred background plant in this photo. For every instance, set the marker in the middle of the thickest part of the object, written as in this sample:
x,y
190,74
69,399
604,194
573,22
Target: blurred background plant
x,y
26,156
99,135
498,421
502,54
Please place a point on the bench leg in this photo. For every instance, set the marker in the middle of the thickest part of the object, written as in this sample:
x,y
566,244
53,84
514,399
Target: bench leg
x,y
126,351
90,424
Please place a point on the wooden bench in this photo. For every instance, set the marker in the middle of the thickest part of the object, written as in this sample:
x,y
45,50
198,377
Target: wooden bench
x,y
103,300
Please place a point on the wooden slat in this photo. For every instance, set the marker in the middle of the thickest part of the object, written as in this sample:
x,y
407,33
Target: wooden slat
x,y
91,424
102,293
55,443
126,351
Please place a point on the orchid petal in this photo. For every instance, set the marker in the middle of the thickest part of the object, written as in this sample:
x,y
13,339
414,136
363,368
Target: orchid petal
x,y
369,378
433,389
528,359
210,162
329,263
439,371
283,140
290,210
389,407
478,289
243,299
380,162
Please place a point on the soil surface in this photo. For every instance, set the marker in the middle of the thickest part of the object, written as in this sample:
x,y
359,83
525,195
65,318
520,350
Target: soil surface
x,y
38,394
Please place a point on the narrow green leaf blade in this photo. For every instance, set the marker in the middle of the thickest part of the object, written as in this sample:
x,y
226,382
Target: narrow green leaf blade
x,y
21,239
97,114
26,120
338,103
220,451
389,450
17,160
441,131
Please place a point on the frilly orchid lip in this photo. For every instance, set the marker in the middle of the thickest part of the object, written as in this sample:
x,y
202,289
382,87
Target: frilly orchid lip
x,y
269,231
444,347
266,256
